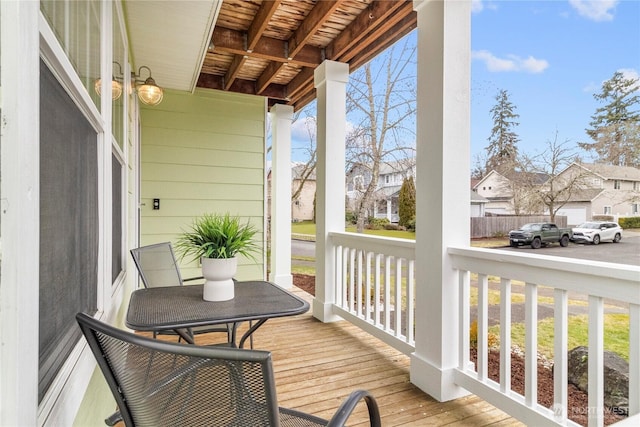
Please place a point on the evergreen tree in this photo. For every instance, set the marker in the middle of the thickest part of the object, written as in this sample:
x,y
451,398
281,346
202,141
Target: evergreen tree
x,y
615,127
407,203
502,150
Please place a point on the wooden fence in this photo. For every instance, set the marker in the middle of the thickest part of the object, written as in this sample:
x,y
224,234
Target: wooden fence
x,y
496,226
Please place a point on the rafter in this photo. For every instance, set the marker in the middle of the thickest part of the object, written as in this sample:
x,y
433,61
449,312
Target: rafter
x,y
232,41
260,22
314,21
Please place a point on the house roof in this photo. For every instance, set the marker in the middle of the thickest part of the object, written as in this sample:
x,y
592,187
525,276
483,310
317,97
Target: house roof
x,y
267,48
297,171
624,173
585,195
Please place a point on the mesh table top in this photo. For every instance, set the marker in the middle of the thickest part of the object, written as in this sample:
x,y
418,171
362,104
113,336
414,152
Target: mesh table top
x,y
175,307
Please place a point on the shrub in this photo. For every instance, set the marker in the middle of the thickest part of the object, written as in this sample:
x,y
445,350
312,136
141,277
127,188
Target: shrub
x,y
351,217
378,223
630,222
492,339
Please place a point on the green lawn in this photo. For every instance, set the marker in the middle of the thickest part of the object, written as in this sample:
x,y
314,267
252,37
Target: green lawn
x,y
308,227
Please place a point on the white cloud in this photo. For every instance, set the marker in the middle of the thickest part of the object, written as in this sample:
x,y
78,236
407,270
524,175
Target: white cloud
x,y
510,63
476,6
595,10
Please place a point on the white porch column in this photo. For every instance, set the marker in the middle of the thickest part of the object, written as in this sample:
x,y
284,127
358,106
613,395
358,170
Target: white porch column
x,y
19,212
330,80
442,187
281,116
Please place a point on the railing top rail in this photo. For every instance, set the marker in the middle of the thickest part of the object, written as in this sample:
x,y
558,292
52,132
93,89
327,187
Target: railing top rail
x,y
346,238
401,248
609,280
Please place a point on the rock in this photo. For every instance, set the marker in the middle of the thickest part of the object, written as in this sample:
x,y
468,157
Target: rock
x,y
616,377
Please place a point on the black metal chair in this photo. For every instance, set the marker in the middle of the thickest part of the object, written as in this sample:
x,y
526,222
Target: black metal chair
x,y
158,267
159,383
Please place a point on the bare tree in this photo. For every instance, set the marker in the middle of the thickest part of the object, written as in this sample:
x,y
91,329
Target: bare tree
x,y
380,105
304,171
560,186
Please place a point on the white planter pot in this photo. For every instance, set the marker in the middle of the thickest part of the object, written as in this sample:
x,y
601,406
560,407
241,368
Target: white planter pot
x,y
218,274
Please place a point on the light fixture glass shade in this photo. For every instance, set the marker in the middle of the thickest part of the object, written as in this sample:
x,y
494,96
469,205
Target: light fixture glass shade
x,y
116,88
150,93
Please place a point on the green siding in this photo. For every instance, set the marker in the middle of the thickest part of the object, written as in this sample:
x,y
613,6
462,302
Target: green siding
x,y
203,152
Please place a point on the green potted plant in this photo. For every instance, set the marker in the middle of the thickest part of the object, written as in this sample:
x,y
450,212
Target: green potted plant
x,y
216,241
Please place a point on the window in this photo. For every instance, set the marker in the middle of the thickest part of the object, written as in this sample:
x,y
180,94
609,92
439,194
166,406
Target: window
x,y
616,184
635,185
607,210
635,209
68,224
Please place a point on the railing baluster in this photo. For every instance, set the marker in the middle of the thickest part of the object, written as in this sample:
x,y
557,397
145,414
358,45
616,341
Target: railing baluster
x,y
359,284
560,344
596,360
634,359
505,335
410,302
531,345
351,295
465,318
367,280
483,326
376,303
398,298
387,293
339,272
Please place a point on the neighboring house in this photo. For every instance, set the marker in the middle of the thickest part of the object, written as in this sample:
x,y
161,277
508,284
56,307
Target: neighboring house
x,y
302,205
604,190
607,190
390,179
496,189
478,204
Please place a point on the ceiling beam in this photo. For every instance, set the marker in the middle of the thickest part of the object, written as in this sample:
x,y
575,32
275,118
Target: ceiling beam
x,y
310,26
210,81
374,15
393,34
270,49
260,22
234,70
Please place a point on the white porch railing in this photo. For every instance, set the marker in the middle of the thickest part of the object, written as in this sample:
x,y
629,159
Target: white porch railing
x,y
375,286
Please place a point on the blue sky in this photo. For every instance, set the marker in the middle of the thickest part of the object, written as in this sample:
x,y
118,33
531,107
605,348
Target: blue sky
x,y
551,56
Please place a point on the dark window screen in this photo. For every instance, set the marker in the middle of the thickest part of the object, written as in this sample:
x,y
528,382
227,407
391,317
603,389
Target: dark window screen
x,y
68,224
116,212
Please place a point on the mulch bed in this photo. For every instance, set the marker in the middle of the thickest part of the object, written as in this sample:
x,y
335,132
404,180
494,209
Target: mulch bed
x,y
577,399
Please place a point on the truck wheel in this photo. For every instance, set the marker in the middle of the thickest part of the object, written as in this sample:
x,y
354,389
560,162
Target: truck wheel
x,y
536,243
617,238
564,241
596,239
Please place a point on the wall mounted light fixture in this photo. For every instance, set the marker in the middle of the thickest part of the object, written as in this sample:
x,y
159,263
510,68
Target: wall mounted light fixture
x,y
148,91
116,84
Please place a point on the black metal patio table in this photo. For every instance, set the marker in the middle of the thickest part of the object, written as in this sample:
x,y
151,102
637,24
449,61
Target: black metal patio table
x,y
182,307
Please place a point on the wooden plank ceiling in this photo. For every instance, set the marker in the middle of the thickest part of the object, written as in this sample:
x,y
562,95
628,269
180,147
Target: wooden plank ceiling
x,y
271,47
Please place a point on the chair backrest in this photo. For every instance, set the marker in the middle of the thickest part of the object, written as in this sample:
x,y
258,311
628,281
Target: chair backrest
x,y
157,265
159,383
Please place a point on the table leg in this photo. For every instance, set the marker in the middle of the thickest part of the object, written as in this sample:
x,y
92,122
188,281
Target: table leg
x,y
251,330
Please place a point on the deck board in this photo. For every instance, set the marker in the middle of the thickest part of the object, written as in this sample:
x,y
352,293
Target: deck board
x,y
318,364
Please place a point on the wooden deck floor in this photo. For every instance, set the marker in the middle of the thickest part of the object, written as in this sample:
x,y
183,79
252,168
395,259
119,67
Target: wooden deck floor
x,y
318,364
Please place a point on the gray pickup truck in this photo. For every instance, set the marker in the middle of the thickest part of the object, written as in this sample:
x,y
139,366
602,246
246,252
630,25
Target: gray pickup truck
x,y
538,234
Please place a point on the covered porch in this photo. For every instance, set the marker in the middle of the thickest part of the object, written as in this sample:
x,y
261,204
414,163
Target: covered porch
x,y
405,307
